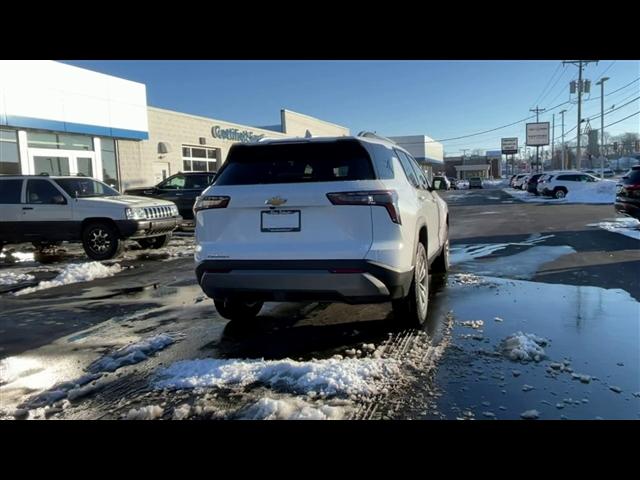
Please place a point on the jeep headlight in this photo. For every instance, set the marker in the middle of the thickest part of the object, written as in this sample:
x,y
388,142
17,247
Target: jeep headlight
x,y
135,213
174,210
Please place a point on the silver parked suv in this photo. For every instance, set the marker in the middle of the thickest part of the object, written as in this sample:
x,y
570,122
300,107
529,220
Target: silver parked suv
x,y
48,210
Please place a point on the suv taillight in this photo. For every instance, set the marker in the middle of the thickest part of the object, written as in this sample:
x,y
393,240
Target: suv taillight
x,y
382,198
632,187
210,201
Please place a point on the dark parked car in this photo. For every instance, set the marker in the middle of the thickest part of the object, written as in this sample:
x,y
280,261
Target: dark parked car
x,y
454,183
475,182
441,183
532,183
181,189
628,194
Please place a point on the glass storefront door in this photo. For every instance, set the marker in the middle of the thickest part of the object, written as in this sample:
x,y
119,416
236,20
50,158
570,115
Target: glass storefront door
x,y
51,165
62,162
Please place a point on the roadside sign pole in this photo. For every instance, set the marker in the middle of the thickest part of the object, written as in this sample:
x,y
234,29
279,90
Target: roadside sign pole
x,y
601,83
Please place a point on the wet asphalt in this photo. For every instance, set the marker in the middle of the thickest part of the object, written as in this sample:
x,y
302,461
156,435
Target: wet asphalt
x,y
547,274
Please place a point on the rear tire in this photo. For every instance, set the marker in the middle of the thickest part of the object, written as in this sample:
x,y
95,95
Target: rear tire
x,y
237,310
155,242
411,311
101,241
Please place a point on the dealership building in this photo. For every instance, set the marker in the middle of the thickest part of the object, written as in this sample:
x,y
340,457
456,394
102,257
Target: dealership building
x,y
64,120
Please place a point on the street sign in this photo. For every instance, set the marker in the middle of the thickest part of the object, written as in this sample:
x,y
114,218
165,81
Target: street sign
x,y
537,134
510,145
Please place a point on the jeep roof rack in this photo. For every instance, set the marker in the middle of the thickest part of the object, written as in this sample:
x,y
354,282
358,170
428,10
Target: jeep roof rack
x,y
374,135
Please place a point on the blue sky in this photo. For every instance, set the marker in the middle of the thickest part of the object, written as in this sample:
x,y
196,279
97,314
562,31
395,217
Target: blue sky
x,y
441,99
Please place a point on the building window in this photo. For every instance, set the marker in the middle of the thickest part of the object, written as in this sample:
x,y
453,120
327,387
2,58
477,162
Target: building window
x,y
59,141
9,154
200,159
109,163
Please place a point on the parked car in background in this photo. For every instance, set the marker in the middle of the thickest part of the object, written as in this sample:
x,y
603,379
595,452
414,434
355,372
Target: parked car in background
x,y
343,219
441,183
532,183
181,189
608,173
558,184
453,182
475,182
628,193
517,179
47,210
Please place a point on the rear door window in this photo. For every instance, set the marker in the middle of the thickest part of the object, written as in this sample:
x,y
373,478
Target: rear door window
x,y
408,170
10,191
342,160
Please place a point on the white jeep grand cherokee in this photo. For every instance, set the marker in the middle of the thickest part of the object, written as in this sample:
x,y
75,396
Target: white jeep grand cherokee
x,y
347,219
48,210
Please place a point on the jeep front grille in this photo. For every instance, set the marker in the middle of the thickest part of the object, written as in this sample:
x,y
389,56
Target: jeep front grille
x,y
157,212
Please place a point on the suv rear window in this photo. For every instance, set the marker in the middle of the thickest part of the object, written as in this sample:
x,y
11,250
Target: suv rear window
x,y
341,160
634,177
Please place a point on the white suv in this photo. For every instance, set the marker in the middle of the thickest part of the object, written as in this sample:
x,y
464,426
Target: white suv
x,y
558,184
347,219
48,210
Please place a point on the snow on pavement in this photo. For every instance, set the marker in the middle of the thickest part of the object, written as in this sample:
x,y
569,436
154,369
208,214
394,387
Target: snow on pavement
x,y
627,226
600,192
10,278
292,409
524,347
75,273
150,412
465,253
131,354
326,377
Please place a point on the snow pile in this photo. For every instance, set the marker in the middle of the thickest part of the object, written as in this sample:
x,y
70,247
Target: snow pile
x,y
629,227
80,272
182,412
500,183
603,191
150,412
132,354
465,253
524,347
11,278
327,377
600,192
291,409
71,390
17,257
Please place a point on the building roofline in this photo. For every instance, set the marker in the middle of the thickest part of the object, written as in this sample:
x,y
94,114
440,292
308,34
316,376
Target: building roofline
x,y
314,118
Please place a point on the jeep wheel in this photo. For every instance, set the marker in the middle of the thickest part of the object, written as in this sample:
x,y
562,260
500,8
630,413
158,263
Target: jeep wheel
x,y
411,311
560,193
101,241
155,242
237,309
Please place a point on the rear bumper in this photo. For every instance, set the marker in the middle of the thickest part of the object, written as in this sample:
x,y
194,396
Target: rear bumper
x,y
147,228
359,281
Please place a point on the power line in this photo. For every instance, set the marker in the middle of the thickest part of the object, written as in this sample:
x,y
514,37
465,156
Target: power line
x,y
554,85
623,119
548,83
614,91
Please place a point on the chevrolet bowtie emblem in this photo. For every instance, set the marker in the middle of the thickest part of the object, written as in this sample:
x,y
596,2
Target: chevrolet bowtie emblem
x,y
276,201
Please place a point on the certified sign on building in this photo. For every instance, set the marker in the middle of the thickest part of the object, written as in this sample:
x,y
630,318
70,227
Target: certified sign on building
x,y
537,134
509,145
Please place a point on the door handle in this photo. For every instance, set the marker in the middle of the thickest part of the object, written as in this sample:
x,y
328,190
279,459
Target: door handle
x,y
27,208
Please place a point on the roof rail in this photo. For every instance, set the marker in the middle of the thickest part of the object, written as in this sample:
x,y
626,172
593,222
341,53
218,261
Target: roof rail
x,y
374,135
43,174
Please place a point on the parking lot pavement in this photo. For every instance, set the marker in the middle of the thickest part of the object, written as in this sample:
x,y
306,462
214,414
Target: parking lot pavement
x,y
539,314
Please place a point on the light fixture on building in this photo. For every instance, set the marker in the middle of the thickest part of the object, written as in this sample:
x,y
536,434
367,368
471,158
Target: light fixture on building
x,y
203,140
163,148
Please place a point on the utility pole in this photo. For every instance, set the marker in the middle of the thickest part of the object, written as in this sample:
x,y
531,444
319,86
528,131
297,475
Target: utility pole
x,y
553,136
601,83
580,64
537,110
563,149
